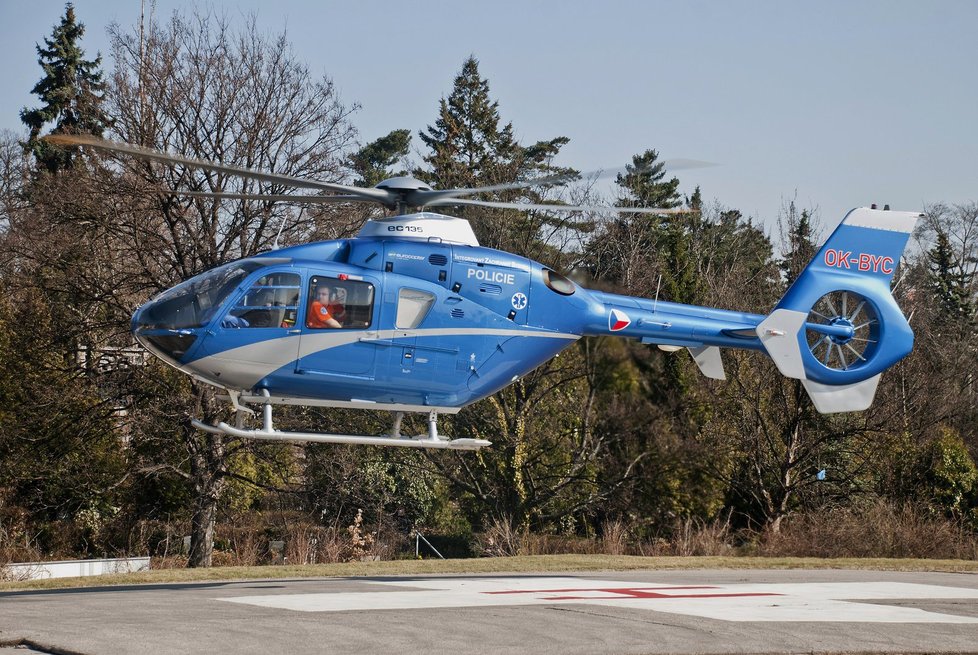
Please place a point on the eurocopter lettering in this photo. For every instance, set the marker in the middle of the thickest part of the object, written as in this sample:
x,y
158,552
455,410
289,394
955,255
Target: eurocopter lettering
x,y
413,315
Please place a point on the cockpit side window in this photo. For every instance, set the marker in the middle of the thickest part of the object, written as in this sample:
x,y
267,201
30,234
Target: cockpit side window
x,y
339,303
271,302
193,303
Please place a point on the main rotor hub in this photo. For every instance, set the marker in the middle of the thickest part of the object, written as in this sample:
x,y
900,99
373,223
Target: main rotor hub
x,y
403,184
404,189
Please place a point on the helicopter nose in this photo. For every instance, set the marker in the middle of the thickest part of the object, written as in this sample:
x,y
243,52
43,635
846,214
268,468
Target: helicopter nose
x,y
160,338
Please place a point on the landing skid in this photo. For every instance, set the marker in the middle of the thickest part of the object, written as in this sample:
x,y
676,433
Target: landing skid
x,y
269,433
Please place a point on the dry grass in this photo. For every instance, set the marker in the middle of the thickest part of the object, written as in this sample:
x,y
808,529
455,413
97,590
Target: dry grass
x,y
877,530
693,537
876,536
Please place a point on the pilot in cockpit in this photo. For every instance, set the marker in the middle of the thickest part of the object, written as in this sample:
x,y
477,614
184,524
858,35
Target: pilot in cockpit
x,y
321,307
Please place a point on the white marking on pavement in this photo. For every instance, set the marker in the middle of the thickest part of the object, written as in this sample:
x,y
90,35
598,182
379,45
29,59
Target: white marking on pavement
x,y
822,602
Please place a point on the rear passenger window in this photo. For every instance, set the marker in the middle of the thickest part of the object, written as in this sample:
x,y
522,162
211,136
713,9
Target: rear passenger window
x,y
339,303
412,306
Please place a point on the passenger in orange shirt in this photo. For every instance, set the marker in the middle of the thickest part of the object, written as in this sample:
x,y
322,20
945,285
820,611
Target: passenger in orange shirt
x,y
319,315
337,304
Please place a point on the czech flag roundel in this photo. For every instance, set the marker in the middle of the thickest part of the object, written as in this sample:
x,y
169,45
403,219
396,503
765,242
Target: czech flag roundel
x,y
618,320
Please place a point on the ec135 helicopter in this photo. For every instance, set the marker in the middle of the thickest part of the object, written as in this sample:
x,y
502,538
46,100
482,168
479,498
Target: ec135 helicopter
x,y
413,315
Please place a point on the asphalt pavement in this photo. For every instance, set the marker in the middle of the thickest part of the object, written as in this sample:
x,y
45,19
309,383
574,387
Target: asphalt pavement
x,y
701,611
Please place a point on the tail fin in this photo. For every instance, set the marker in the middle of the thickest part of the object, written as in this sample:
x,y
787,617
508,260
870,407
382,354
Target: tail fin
x,y
838,326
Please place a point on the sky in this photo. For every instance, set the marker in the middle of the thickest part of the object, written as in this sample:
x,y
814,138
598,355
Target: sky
x,y
833,104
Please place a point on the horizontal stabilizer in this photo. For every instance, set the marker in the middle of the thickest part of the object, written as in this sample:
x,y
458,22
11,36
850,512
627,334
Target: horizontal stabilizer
x,y
709,360
829,399
779,334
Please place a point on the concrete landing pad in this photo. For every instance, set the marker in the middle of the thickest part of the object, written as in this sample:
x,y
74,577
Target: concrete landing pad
x,y
634,612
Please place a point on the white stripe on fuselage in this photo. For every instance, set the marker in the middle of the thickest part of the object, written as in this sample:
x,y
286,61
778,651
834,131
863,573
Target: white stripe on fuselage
x,y
243,367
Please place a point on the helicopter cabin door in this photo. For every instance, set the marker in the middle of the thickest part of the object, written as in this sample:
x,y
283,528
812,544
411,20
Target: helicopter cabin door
x,y
254,336
338,327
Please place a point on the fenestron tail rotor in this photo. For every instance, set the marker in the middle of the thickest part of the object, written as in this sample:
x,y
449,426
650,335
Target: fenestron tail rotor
x,y
842,330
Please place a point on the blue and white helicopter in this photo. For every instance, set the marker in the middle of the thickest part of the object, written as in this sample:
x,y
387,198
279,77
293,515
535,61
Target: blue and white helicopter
x,y
413,315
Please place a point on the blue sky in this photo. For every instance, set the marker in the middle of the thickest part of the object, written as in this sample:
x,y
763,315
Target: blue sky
x,y
834,103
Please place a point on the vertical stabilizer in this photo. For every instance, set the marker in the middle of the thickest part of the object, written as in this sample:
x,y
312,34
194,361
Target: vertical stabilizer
x,y
838,326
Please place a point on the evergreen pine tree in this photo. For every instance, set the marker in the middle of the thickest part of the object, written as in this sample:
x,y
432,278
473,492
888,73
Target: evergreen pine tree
x,y
643,182
373,162
800,243
468,146
70,91
949,281
669,240
665,247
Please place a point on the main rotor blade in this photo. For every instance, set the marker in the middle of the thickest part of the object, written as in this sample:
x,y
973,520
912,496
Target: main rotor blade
x,y
681,164
270,197
669,165
566,208
428,197
377,195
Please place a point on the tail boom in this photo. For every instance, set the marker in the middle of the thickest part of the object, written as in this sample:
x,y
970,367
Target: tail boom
x,y
836,329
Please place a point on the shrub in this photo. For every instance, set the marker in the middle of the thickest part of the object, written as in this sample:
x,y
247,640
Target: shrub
x,y
878,530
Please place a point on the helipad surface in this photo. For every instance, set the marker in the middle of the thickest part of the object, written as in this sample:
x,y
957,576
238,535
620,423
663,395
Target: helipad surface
x,y
634,612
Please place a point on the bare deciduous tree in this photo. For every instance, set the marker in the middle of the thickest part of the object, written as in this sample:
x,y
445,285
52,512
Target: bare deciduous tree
x,y
202,89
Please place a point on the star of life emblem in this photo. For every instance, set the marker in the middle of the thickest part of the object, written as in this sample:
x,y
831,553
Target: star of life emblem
x,y
519,300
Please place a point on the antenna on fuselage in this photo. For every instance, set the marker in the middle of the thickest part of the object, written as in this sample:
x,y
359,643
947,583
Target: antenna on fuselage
x,y
281,226
658,285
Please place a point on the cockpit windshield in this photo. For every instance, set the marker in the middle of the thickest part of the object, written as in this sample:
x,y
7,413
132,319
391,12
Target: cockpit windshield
x,y
193,303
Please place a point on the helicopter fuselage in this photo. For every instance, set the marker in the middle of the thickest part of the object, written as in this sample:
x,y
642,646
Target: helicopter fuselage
x,y
427,321
414,315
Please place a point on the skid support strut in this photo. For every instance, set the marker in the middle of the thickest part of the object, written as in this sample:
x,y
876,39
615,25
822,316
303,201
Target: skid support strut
x,y
433,425
266,413
396,428
269,433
